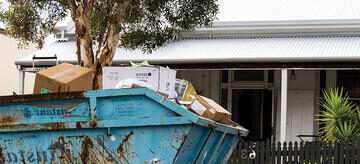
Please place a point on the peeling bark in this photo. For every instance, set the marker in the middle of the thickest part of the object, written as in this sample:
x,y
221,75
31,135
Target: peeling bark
x,y
82,33
81,12
105,55
107,47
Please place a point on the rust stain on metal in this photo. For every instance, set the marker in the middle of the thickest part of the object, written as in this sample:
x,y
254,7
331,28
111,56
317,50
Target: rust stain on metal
x,y
93,121
111,153
56,126
184,136
78,125
27,127
86,147
152,152
42,97
81,124
66,156
162,100
2,158
122,148
7,120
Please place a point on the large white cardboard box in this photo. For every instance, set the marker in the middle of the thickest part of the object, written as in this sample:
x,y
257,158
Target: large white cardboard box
x,y
162,79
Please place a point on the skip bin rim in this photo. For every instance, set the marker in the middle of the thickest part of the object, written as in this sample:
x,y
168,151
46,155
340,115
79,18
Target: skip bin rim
x,y
193,118
186,117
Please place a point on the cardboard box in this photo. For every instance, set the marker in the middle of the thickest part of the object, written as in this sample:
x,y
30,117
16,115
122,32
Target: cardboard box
x,y
185,90
162,79
208,108
63,78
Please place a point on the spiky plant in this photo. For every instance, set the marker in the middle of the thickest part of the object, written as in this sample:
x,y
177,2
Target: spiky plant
x,y
340,117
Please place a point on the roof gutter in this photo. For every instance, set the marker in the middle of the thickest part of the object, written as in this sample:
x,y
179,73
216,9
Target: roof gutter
x,y
278,28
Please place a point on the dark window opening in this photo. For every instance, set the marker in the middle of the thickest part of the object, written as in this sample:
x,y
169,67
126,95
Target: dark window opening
x,y
252,75
252,109
224,98
224,76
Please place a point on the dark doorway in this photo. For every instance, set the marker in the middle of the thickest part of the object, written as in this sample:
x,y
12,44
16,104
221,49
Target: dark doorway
x,y
252,108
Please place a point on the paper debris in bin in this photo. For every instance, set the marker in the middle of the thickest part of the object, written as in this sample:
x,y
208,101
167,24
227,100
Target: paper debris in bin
x,y
184,90
208,108
144,63
162,79
133,83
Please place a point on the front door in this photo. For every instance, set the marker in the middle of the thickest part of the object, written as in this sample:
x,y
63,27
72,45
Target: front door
x,y
252,108
300,115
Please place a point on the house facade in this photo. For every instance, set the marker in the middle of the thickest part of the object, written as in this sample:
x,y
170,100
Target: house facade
x,y
269,69
9,73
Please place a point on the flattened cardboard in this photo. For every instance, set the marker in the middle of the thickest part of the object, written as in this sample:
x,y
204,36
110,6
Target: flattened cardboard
x,y
63,78
208,108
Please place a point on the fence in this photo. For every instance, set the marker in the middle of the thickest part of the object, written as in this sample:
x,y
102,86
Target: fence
x,y
294,152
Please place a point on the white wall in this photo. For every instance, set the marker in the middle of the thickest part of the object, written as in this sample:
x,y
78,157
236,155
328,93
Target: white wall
x,y
207,82
9,74
305,81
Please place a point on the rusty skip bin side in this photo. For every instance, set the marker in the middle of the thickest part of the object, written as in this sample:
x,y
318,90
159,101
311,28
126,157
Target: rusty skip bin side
x,y
131,126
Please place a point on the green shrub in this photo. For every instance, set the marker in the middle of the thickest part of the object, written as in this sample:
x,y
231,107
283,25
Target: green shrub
x,y
340,117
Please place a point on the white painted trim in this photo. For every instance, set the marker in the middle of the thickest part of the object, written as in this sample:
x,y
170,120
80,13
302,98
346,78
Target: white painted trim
x,y
283,102
21,82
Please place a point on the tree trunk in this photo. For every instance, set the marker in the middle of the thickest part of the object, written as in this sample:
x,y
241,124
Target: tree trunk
x,y
105,55
80,13
82,32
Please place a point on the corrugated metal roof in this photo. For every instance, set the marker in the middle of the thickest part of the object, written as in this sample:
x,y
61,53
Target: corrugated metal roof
x,y
281,49
268,10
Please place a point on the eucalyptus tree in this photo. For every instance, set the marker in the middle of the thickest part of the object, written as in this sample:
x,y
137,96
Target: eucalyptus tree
x,y
131,24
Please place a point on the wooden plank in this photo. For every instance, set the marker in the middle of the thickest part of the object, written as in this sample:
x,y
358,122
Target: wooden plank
x,y
290,153
267,148
352,151
301,152
237,154
278,153
306,152
341,153
296,152
273,153
318,152
336,153
251,150
261,151
245,153
358,152
233,155
332,151
284,152
312,151
257,152
347,153
325,153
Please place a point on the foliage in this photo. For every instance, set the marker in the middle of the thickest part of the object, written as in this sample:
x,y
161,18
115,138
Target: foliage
x,y
32,20
340,117
132,24
145,24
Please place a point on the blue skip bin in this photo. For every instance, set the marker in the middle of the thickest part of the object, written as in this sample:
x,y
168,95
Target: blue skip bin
x,y
122,126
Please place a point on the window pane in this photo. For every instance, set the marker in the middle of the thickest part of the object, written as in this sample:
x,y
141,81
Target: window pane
x,y
249,75
350,80
271,76
224,98
224,76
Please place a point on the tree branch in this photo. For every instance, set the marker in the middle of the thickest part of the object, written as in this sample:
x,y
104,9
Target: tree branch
x,y
72,6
